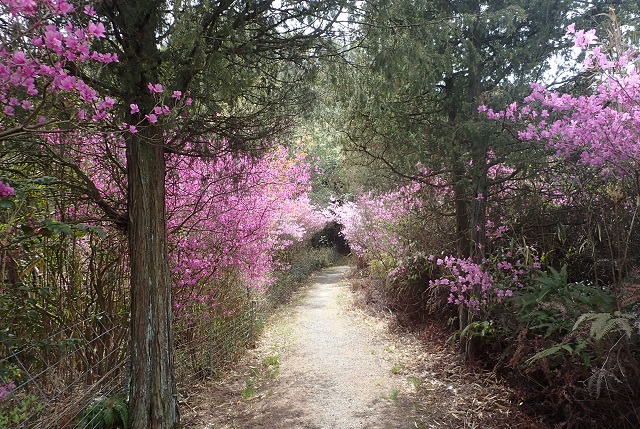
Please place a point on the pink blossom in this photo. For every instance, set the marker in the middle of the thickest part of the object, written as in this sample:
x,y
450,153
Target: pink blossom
x,y
6,388
6,190
583,39
155,89
109,102
67,83
19,58
97,30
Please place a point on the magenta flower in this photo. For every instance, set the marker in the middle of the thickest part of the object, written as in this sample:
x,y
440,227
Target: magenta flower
x,y
97,30
155,89
6,191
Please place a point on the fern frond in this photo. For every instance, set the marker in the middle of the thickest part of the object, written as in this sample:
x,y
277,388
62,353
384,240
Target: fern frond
x,y
604,323
549,352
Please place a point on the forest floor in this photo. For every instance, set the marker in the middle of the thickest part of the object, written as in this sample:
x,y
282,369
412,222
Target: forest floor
x,y
325,362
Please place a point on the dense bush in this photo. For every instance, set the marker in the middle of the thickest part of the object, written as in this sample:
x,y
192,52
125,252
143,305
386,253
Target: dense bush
x,y
546,292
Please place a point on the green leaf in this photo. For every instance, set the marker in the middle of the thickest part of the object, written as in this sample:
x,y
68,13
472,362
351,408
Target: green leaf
x,y
108,419
121,411
27,230
546,353
44,180
57,228
604,323
7,204
101,232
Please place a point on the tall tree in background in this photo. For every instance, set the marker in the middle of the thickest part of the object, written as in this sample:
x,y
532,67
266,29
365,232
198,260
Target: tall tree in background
x,y
421,72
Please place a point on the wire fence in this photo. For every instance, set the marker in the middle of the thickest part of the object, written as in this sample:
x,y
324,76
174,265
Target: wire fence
x,y
49,383
77,377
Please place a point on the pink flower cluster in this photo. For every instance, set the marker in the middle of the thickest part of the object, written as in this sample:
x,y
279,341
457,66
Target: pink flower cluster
x,y
39,54
601,129
161,108
469,283
371,223
494,231
6,191
230,216
476,285
6,389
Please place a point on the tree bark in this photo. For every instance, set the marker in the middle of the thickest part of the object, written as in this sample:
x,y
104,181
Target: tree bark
x,y
152,390
153,401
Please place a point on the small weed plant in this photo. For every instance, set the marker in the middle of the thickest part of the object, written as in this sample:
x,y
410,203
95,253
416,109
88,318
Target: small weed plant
x,y
105,413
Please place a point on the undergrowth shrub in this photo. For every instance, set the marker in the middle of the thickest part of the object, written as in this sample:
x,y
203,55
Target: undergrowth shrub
x,y
105,413
568,337
297,264
575,349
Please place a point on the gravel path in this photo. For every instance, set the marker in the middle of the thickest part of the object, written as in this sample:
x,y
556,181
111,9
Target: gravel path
x,y
323,363
333,376
316,368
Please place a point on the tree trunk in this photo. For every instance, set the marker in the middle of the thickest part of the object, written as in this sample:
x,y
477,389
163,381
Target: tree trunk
x,y
153,402
479,221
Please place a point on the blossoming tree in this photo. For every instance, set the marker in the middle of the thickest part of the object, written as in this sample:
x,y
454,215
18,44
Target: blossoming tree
x,y
598,130
156,52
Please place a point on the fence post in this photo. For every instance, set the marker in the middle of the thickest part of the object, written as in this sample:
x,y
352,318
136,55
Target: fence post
x,y
252,316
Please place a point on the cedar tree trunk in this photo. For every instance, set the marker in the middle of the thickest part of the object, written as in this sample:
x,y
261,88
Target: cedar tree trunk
x,y
153,402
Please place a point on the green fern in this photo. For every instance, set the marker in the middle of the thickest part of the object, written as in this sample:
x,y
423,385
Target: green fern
x,y
105,413
550,352
604,323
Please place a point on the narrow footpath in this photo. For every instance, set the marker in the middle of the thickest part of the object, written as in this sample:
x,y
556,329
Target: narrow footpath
x,y
322,364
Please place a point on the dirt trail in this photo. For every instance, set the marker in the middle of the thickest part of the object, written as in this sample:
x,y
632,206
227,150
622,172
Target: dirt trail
x,y
322,365
334,375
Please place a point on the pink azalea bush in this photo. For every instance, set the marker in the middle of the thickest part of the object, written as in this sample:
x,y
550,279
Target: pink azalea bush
x,y
229,217
393,234
480,285
595,136
602,128
34,64
372,223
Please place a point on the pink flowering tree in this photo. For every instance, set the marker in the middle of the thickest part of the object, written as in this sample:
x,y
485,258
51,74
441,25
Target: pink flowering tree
x,y
55,80
39,89
597,133
372,224
230,216
40,61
